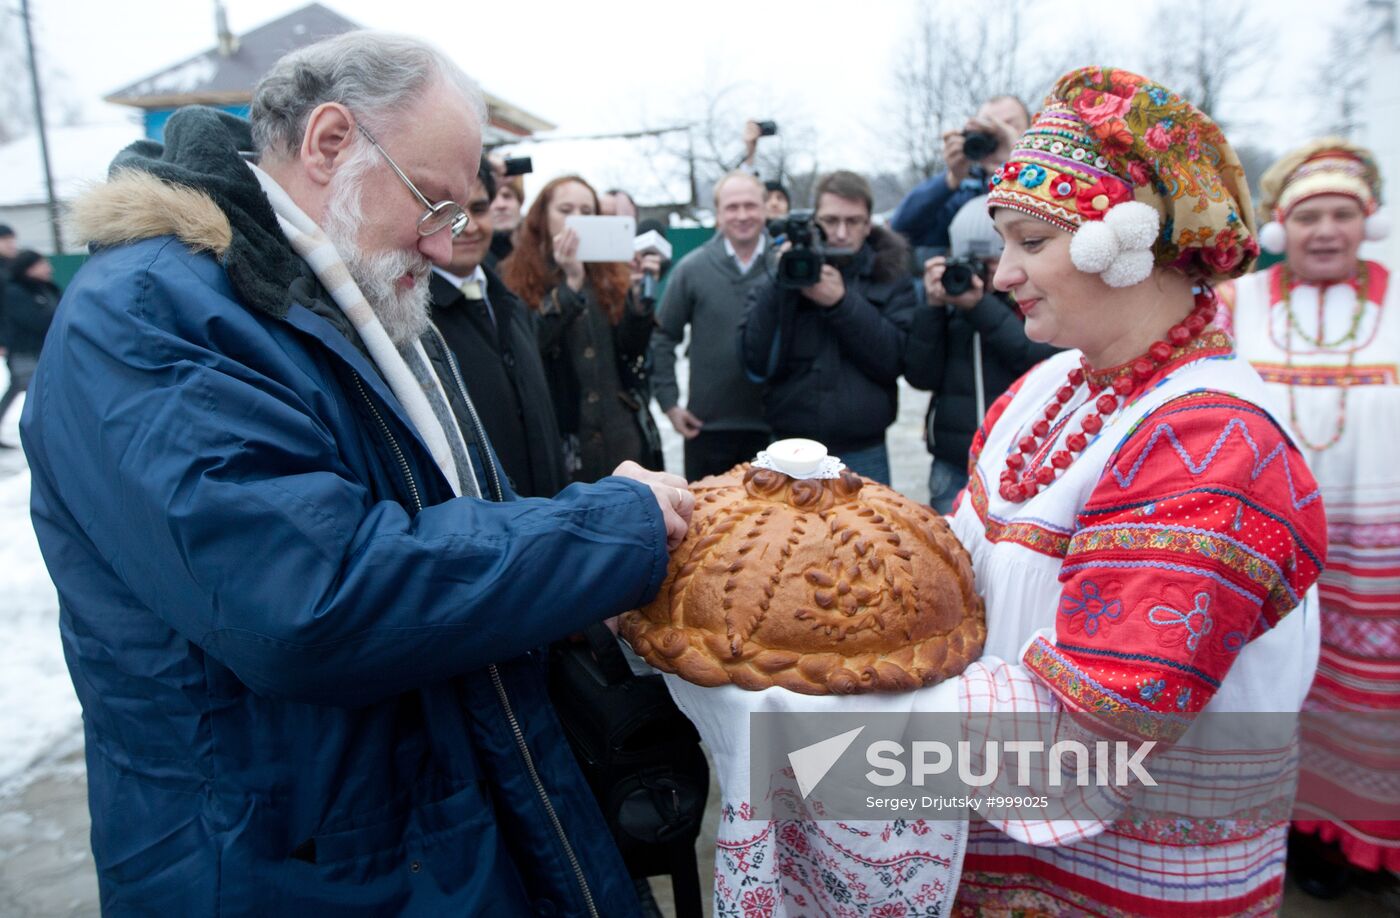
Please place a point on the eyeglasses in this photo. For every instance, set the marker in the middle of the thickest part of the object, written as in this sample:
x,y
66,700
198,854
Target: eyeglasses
x,y
830,222
440,216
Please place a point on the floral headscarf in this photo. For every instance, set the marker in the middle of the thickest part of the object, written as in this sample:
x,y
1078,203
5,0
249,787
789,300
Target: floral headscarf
x,y
1106,138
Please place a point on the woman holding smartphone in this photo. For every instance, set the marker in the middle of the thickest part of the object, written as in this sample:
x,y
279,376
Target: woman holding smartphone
x,y
593,335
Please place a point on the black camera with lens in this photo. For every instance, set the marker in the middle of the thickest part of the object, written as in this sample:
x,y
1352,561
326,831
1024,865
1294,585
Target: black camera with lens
x,y
978,145
518,165
958,274
801,265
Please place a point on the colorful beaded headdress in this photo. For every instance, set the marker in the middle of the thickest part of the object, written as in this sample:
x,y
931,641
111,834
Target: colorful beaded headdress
x,y
1330,165
1140,177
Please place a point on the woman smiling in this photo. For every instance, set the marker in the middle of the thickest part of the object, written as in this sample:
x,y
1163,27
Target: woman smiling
x,y
1322,329
1143,531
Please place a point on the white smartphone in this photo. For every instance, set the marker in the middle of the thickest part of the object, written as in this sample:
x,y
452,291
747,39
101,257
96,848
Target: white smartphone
x,y
603,238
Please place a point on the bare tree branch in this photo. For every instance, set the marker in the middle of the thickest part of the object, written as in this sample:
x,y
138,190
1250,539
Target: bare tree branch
x,y
1227,42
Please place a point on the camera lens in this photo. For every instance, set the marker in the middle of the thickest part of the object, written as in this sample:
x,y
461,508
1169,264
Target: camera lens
x,y
979,145
957,278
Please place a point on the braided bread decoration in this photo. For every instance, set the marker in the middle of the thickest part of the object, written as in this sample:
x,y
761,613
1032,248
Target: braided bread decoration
x,y
835,586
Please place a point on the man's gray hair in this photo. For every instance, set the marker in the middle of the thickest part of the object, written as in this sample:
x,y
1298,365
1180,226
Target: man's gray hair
x,y
374,74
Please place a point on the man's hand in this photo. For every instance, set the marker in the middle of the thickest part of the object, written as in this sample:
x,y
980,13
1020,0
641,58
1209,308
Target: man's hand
x,y
937,296
751,135
686,424
566,257
672,495
828,291
959,167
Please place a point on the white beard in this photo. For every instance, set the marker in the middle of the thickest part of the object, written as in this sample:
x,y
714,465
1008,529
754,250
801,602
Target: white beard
x,y
403,313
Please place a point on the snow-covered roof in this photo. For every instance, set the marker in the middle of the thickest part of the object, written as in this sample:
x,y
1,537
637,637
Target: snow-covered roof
x,y
212,77
79,155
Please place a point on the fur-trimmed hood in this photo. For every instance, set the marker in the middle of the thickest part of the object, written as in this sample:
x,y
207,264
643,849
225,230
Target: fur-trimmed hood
x,y
198,188
889,256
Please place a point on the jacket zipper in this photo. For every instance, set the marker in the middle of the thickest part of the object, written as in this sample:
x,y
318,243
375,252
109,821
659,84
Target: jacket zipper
x,y
539,789
394,444
495,674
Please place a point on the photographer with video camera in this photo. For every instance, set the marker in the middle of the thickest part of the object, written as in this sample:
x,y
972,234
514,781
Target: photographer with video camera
x,y
826,334
967,348
970,155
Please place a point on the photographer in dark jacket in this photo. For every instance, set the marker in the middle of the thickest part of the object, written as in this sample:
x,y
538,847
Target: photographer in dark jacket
x,y
925,213
967,347
30,300
829,355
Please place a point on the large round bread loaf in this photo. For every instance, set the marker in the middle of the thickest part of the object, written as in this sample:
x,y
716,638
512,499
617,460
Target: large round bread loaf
x,y
833,586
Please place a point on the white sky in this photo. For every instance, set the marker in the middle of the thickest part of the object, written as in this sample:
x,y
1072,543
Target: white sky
x,y
611,65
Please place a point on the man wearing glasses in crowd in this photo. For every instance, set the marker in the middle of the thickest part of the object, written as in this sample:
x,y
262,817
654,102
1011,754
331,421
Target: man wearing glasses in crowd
x,y
298,599
492,336
829,355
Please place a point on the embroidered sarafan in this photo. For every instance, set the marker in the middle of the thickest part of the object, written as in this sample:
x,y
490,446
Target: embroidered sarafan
x,y
1158,578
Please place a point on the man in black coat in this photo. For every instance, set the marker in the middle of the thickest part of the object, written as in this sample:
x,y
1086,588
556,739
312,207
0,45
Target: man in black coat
x,y
829,355
491,334
30,300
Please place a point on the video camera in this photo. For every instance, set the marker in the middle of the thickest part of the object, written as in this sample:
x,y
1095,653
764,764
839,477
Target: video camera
x,y
801,264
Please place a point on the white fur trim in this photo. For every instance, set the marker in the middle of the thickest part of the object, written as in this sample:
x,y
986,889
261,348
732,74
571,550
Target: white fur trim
x,y
1272,237
1129,268
1119,247
1378,226
1093,247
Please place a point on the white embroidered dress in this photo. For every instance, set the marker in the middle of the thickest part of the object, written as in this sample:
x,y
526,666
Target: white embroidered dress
x,y
1126,587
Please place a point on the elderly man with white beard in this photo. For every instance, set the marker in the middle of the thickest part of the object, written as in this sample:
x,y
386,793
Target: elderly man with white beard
x,y
299,604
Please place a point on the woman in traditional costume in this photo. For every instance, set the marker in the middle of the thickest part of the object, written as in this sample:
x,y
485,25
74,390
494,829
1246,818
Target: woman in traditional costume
x,y
1323,331
1142,529
1144,535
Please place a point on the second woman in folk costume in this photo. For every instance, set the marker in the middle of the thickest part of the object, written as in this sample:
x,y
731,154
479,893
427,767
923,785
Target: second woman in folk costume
x,y
1143,530
1323,329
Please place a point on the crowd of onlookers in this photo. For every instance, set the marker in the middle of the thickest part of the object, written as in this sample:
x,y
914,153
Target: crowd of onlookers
x,y
566,355
563,357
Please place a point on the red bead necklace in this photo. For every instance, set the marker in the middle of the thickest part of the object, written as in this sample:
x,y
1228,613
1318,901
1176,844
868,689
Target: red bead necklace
x,y
1026,472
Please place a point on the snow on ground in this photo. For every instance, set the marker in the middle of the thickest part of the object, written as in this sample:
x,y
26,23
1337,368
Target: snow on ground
x,y
39,713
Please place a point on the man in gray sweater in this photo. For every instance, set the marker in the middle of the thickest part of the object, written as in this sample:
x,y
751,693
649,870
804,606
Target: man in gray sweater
x,y
722,422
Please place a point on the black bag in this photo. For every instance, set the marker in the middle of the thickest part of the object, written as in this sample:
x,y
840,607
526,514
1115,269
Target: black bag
x,y
639,753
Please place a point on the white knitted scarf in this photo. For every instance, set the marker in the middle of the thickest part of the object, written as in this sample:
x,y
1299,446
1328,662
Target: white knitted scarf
x,y
406,369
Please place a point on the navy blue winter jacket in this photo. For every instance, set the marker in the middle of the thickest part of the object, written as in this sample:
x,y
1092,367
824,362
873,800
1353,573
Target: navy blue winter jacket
x,y
927,210
306,669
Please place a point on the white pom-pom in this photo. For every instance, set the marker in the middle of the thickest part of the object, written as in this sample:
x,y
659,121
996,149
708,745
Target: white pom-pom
x,y
1093,247
1128,268
1135,224
1272,237
1378,226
